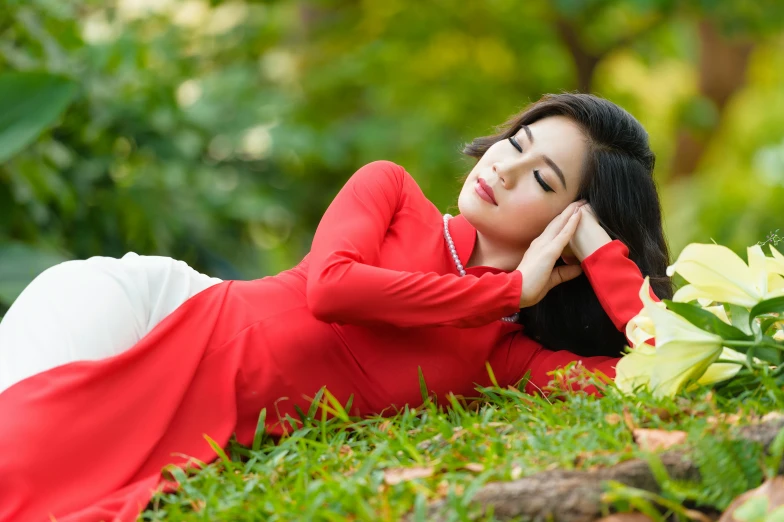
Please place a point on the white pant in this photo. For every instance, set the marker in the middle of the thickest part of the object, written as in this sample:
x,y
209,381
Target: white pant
x,y
91,309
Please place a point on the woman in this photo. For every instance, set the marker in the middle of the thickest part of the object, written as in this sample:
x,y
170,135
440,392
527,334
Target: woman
x,y
389,286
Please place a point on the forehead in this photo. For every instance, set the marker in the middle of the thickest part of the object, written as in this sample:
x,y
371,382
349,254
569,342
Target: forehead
x,y
561,140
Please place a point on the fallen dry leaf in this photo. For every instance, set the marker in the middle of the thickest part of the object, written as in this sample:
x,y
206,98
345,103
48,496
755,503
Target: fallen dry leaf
x,y
730,418
663,414
442,488
652,440
474,466
384,426
394,476
771,416
345,449
457,433
626,517
612,418
627,418
771,492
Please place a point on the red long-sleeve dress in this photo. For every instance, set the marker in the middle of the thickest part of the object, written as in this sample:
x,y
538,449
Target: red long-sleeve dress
x,y
377,297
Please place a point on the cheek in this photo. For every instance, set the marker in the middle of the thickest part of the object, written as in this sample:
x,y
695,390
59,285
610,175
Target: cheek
x,y
528,217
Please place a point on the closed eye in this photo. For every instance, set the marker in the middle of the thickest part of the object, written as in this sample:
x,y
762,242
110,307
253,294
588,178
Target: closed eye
x,y
514,143
538,177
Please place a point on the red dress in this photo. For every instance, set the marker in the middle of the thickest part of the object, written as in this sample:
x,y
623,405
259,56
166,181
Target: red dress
x,y
377,297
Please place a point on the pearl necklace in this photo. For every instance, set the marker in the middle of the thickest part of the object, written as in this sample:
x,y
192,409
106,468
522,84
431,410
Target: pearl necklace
x,y
452,250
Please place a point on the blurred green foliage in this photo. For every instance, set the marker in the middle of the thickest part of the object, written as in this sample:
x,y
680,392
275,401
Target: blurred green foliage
x,y
218,132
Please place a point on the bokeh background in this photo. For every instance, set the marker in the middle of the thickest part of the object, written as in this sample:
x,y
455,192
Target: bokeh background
x,y
218,132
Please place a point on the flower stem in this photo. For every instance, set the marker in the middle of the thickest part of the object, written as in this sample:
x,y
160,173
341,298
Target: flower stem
x,y
741,344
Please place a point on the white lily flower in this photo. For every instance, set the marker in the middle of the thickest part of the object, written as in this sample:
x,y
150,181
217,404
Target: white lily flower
x,y
775,266
683,352
716,273
719,312
720,371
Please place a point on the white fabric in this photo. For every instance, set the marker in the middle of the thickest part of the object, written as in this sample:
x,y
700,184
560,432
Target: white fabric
x,y
90,309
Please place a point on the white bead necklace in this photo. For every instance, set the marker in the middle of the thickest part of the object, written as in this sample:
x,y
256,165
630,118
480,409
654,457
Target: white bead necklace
x,y
452,250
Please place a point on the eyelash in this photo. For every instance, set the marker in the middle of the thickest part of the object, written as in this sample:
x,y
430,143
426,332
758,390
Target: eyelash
x,y
538,177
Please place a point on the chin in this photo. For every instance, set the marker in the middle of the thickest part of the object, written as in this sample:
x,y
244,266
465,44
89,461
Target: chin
x,y
471,210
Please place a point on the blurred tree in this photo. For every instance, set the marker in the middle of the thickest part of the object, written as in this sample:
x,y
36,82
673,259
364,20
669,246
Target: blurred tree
x,y
218,132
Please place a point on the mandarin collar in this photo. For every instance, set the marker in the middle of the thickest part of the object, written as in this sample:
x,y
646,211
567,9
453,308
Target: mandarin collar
x,y
464,237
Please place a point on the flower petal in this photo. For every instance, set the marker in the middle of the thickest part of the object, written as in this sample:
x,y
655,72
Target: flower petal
x,y
758,268
633,369
688,293
683,351
718,372
718,272
719,312
775,283
677,364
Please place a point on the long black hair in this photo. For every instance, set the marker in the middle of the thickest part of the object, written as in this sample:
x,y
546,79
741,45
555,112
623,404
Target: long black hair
x,y
617,181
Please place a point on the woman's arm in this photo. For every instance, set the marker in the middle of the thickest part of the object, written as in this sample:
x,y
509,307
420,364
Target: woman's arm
x,y
345,285
616,280
545,361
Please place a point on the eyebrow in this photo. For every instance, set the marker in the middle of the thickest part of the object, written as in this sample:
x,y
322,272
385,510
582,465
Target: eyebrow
x,y
547,160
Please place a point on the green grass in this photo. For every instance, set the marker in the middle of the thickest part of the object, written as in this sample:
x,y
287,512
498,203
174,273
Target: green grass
x,y
334,469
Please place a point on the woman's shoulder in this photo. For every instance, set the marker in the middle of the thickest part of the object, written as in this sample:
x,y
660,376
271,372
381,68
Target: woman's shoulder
x,y
391,176
384,171
390,172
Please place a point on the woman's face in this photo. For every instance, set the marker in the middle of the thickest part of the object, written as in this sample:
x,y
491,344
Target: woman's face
x,y
530,187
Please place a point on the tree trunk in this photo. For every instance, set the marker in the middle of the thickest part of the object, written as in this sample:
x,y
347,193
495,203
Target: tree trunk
x,y
722,70
574,496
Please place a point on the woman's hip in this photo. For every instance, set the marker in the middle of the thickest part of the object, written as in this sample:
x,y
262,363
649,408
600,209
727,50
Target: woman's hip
x,y
91,309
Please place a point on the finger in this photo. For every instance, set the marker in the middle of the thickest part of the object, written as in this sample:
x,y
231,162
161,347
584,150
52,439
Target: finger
x,y
556,225
562,239
566,233
570,260
562,274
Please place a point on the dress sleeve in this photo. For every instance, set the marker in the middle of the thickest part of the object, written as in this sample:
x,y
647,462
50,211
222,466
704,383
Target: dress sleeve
x,y
346,285
616,280
545,361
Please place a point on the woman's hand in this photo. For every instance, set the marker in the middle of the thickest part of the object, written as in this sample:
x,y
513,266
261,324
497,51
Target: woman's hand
x,y
588,238
538,265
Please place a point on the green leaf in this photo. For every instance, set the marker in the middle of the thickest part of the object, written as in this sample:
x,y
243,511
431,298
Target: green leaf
x,y
767,352
775,454
260,429
766,323
335,408
753,510
491,374
29,103
315,403
19,265
777,515
707,321
739,315
422,385
219,451
768,306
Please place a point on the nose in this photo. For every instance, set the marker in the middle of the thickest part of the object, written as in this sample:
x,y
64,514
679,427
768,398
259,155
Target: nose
x,y
501,176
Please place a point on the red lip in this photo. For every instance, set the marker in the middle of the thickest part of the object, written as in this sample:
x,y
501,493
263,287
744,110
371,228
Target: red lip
x,y
487,189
